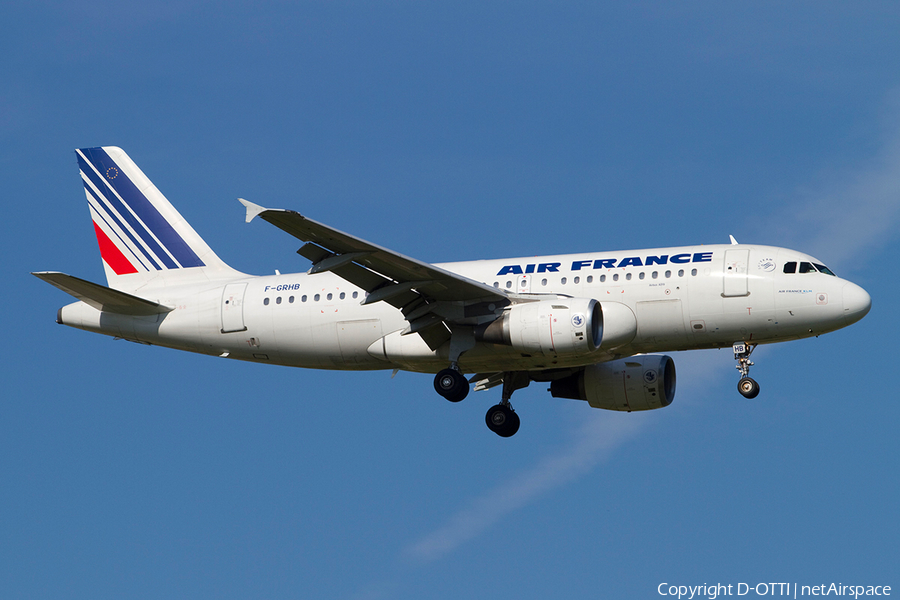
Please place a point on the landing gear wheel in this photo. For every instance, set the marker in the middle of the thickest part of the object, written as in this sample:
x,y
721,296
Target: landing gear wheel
x,y
451,384
502,420
748,387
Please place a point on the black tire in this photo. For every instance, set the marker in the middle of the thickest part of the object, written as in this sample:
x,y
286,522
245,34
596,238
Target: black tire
x,y
502,420
748,387
451,384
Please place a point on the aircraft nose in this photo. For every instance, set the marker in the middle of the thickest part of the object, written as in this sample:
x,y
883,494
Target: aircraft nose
x,y
857,303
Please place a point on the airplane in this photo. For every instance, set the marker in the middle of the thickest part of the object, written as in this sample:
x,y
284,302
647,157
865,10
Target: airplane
x,y
592,325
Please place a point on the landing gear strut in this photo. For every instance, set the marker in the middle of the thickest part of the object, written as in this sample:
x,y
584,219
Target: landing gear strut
x,y
450,383
501,418
746,386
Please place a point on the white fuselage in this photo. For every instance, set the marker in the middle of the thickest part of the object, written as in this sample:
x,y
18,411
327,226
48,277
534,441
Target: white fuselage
x,y
682,298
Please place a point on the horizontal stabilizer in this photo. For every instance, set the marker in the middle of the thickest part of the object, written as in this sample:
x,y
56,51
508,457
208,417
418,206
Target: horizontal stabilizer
x,y
101,297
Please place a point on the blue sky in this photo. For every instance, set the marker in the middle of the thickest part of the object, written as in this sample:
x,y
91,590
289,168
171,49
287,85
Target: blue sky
x,y
449,131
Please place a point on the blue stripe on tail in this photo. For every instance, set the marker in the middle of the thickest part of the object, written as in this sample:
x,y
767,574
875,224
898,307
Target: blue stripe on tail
x,y
115,178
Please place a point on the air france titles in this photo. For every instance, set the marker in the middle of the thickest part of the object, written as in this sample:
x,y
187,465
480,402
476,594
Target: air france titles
x,y
610,263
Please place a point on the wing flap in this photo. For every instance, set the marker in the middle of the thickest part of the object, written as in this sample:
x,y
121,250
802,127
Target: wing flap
x,y
101,297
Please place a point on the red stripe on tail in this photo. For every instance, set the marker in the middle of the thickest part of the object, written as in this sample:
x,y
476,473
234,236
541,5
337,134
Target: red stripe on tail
x,y
112,255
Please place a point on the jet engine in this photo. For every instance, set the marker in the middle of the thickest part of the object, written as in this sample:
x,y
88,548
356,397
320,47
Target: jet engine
x,y
636,383
564,326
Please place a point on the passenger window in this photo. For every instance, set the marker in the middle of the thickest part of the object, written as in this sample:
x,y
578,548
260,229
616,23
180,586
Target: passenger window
x,y
316,297
668,274
543,282
576,280
602,278
590,279
693,272
563,281
642,275
628,276
681,272
329,296
343,295
303,298
790,267
806,267
355,294
266,301
654,275
291,300
615,277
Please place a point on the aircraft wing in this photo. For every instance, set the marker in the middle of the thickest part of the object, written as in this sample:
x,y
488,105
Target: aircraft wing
x,y
422,291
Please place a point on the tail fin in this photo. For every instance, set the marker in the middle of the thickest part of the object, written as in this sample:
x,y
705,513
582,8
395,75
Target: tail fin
x,y
140,234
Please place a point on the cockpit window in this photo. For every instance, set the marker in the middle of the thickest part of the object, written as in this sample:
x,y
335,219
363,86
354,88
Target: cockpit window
x,y
824,269
807,267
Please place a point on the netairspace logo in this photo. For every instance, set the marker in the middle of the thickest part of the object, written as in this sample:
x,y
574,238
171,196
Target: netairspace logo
x,y
792,590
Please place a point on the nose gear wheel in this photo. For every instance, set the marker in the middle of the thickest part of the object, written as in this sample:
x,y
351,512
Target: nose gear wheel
x,y
747,386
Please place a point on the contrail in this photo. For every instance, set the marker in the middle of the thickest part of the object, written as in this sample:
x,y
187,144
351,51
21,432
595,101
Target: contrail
x,y
855,210
597,438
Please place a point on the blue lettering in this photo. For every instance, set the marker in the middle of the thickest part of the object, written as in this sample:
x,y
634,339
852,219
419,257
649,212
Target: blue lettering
x,y
548,268
608,263
580,264
605,263
631,261
510,269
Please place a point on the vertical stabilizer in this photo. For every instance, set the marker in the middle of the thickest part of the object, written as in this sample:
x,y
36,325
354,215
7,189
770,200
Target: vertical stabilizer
x,y
141,236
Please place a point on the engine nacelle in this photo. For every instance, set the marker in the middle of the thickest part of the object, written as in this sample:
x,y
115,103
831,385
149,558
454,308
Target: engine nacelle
x,y
636,383
566,326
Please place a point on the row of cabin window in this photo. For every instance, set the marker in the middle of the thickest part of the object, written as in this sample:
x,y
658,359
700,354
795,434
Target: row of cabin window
x,y
615,277
316,298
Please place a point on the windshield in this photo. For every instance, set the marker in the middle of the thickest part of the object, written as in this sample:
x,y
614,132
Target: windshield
x,y
807,267
824,269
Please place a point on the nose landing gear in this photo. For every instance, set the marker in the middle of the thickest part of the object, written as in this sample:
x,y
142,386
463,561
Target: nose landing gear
x,y
746,386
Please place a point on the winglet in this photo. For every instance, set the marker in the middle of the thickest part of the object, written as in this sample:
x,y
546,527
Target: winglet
x,y
734,242
252,209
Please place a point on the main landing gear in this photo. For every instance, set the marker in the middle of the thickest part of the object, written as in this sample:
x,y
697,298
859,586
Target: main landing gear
x,y
451,384
500,418
746,386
